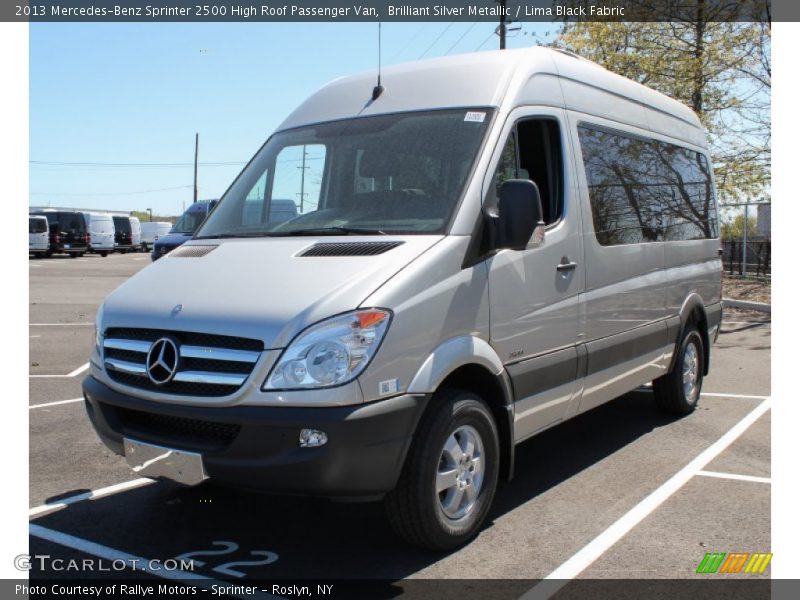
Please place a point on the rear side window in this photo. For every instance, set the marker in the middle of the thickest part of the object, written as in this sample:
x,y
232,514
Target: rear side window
x,y
644,190
37,225
71,222
122,224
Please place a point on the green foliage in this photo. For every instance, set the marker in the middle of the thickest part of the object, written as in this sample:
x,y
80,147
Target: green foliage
x,y
733,229
719,69
144,216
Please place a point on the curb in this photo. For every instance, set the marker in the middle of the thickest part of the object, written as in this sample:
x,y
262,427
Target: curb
x,y
744,305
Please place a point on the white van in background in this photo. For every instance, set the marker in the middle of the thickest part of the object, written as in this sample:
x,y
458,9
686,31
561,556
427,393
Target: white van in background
x,y
151,231
38,235
136,234
100,227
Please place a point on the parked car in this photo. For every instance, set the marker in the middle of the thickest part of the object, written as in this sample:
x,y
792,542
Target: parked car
x,y
101,232
183,229
136,234
153,230
68,233
38,235
123,239
485,247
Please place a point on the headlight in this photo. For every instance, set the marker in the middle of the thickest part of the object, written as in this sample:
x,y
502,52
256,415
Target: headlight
x,y
330,353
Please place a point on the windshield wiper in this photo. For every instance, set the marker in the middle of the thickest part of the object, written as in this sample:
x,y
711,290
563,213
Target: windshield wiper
x,y
335,230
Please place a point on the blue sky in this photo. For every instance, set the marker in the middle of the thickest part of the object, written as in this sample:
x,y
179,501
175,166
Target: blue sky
x,y
137,93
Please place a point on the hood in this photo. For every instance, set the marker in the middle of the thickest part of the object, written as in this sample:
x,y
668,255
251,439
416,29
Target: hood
x,y
173,239
261,289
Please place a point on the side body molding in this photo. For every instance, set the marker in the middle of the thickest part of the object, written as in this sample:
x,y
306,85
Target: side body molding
x,y
449,356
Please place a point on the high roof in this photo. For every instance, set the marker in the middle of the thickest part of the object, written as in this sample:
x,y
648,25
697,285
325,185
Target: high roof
x,y
503,79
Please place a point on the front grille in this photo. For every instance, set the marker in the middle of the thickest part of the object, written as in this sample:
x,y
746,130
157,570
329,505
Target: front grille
x,y
350,248
206,364
190,338
178,430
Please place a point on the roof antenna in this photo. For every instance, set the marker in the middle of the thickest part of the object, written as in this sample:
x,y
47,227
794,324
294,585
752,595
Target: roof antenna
x,y
378,89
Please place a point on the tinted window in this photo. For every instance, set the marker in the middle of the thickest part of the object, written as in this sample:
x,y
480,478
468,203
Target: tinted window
x,y
645,190
37,226
122,224
71,222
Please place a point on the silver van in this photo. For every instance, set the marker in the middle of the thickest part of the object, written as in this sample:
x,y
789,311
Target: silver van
x,y
484,247
101,232
38,235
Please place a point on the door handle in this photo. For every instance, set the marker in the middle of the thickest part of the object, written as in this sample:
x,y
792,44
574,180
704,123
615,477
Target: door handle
x,y
566,265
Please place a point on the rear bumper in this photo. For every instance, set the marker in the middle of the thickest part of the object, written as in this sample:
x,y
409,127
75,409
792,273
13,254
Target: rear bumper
x,y
257,447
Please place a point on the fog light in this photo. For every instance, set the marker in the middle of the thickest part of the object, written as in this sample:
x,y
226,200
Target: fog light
x,y
311,438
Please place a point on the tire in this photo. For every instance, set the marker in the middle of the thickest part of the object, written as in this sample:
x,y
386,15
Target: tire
x,y
73,255
673,394
104,254
122,251
447,519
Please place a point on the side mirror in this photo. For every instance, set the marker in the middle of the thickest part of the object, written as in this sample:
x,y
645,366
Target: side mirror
x,y
519,221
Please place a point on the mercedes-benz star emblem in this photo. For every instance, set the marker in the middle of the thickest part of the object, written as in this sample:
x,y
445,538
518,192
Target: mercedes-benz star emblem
x,y
162,361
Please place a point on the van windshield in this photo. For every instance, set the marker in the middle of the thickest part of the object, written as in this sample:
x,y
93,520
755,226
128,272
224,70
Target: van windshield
x,y
401,173
189,221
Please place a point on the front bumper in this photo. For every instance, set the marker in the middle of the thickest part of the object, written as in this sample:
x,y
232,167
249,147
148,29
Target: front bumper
x,y
257,447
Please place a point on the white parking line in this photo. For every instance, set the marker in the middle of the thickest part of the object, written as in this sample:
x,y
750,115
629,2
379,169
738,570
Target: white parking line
x,y
137,563
79,370
74,373
746,397
93,495
59,324
719,475
598,546
32,406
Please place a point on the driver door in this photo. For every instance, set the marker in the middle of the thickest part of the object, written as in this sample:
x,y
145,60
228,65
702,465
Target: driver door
x,y
535,293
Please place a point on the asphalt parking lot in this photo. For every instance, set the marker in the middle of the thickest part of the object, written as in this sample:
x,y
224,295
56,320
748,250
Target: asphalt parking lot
x,y
620,492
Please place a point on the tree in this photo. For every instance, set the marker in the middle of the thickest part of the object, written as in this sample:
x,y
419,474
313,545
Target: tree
x,y
144,217
733,229
721,69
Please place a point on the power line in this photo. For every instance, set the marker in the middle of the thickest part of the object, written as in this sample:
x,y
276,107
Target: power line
x,y
179,187
449,25
463,35
486,40
125,165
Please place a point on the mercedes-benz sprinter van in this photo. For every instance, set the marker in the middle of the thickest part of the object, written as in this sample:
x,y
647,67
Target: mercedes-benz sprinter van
x,y
38,235
101,232
485,247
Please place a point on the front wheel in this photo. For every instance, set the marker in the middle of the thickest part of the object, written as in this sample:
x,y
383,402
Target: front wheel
x,y
678,391
450,475
104,254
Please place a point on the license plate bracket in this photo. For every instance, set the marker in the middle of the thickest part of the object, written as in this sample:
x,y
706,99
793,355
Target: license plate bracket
x,y
151,460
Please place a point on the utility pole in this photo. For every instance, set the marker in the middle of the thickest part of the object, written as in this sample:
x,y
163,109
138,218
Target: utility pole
x,y
196,147
150,210
502,27
303,180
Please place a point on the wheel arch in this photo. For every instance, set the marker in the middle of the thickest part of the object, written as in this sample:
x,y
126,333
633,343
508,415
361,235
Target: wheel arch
x,y
693,312
471,364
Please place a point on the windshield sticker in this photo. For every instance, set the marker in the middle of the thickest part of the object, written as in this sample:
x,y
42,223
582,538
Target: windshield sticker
x,y
475,117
